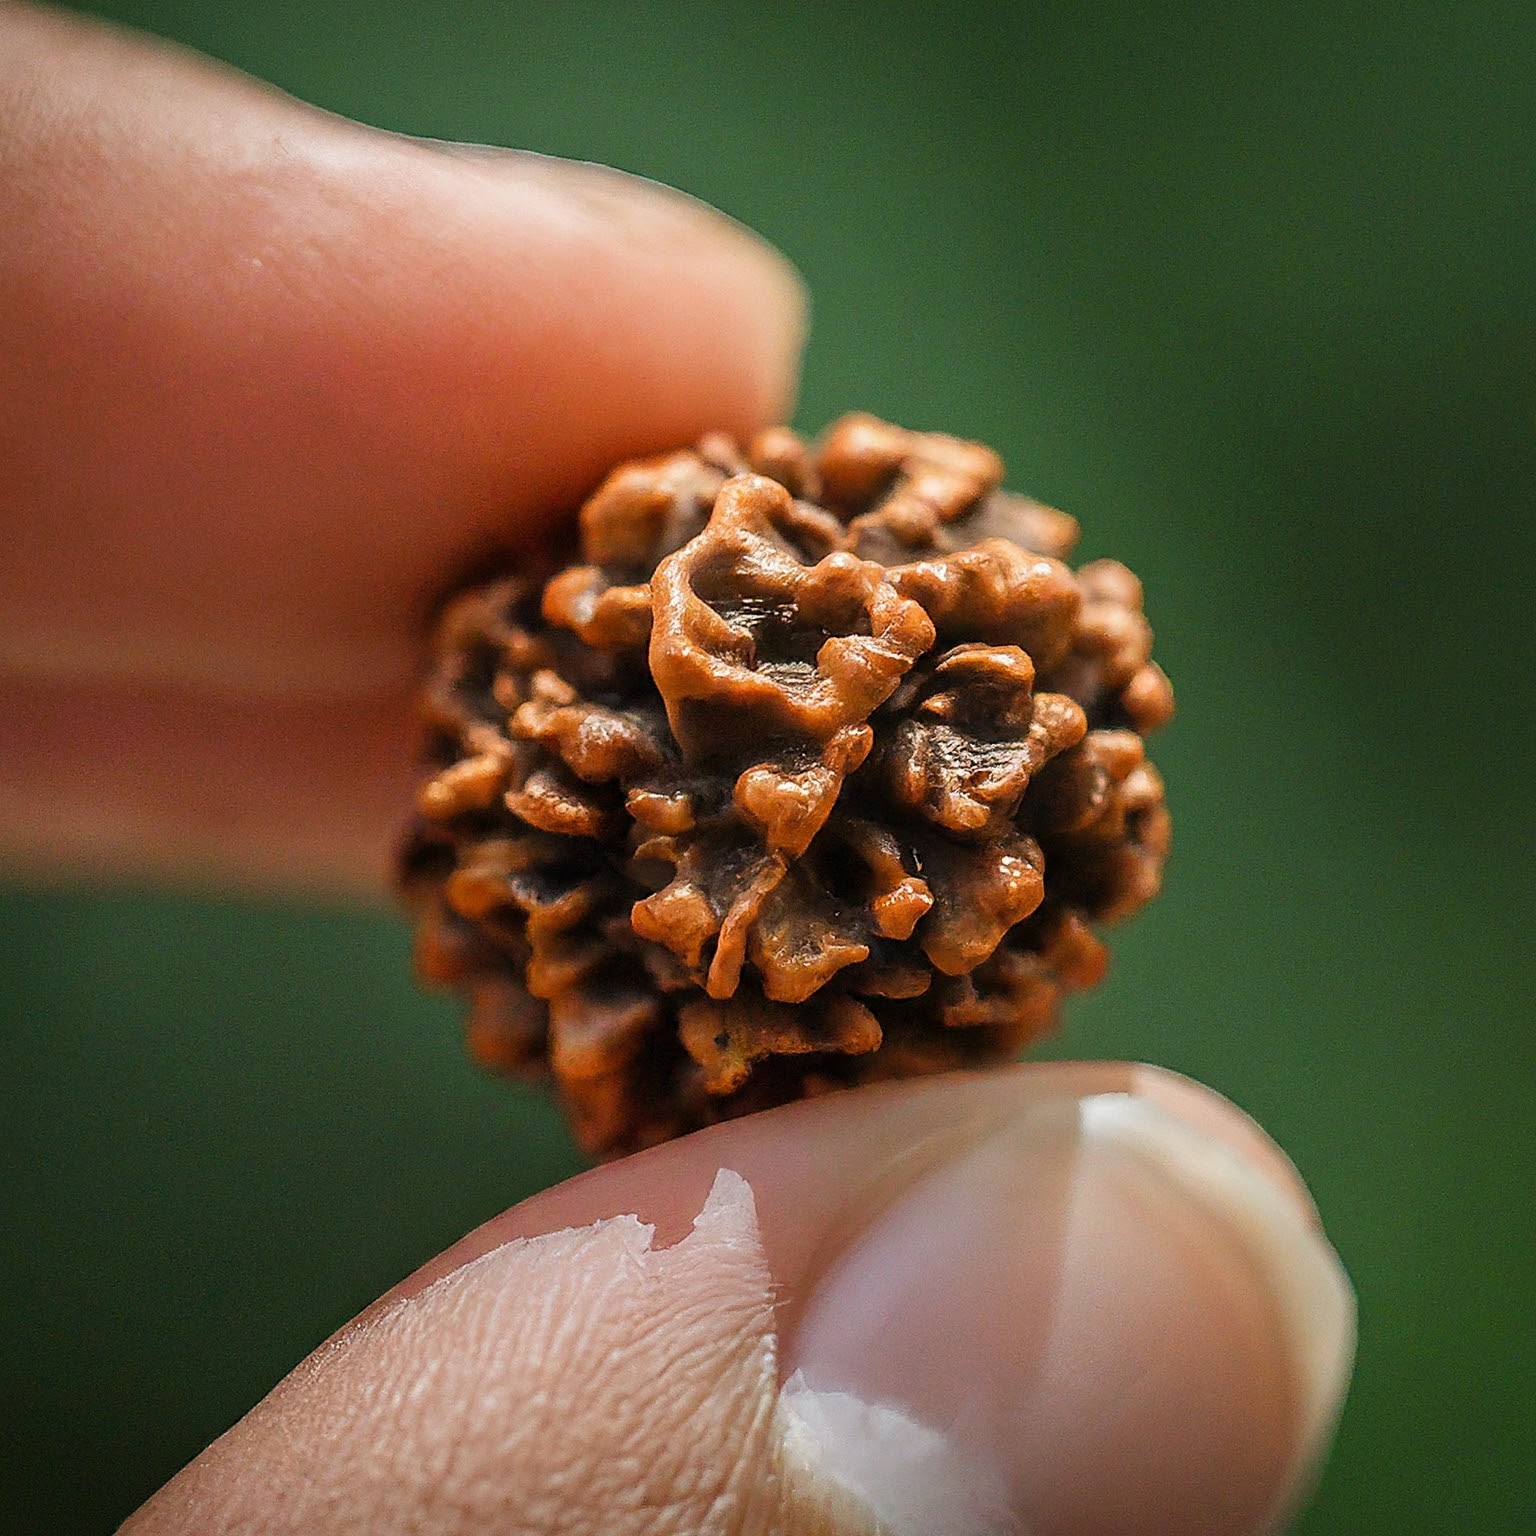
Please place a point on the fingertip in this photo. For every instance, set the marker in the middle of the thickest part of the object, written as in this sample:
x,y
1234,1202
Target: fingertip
x,y
277,380
768,297
698,319
1099,1285
1036,1300
308,367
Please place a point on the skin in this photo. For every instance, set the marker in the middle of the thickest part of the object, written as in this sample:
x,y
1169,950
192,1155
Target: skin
x,y
269,376
269,380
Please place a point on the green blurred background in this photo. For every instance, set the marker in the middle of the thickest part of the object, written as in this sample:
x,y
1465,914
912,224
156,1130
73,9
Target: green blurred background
x,y
1248,288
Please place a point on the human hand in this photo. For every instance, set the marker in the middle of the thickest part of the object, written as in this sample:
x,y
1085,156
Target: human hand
x,y
1063,1299
268,373
265,371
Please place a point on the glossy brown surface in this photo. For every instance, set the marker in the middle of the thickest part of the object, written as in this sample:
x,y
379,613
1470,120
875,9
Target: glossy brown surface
x,y
817,768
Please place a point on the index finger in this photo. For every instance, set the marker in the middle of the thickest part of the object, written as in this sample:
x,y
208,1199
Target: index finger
x,y
269,376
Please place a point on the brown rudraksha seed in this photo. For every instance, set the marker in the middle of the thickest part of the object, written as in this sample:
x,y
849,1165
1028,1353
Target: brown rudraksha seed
x,y
818,768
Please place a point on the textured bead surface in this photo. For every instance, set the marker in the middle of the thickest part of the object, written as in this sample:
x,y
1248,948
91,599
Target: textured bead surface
x,y
817,767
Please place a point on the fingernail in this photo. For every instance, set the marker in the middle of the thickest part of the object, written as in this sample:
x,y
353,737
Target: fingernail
x,y
1100,1317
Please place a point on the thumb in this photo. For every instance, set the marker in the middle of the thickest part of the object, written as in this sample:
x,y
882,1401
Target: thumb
x,y
1057,1299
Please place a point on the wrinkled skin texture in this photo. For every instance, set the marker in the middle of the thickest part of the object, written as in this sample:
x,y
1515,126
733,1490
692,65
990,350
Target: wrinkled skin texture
x,y
816,767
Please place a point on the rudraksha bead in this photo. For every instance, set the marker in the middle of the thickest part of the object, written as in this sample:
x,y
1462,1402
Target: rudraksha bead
x,y
819,766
